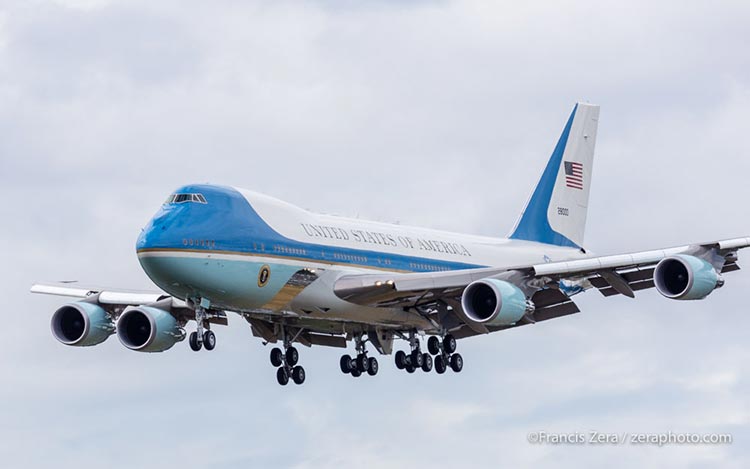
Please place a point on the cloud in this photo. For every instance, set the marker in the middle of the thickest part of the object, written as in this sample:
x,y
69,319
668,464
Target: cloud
x,y
439,114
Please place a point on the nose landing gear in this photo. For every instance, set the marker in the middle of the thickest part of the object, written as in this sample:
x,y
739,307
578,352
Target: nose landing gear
x,y
202,336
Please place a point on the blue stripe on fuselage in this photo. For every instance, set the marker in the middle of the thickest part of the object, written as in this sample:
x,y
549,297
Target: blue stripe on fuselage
x,y
228,223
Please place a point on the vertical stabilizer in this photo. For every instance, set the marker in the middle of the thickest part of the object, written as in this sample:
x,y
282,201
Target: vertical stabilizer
x,y
556,212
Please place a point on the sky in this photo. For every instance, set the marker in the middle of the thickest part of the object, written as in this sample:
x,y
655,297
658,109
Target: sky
x,y
432,113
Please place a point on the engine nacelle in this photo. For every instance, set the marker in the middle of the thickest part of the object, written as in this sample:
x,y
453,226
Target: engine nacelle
x,y
493,302
684,277
81,324
147,329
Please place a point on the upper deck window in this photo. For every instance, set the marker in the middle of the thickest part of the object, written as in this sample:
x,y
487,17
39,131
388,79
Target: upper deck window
x,y
182,198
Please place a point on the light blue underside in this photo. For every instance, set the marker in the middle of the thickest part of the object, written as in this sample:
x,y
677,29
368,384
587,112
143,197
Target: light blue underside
x,y
230,283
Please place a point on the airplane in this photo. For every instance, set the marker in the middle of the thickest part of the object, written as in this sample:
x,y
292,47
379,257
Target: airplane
x,y
301,278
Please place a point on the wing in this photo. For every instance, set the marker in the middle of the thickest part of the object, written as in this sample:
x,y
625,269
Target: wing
x,y
115,301
549,285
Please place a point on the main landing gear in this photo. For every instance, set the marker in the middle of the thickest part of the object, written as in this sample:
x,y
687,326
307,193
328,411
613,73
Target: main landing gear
x,y
445,356
361,364
415,359
286,362
444,351
200,337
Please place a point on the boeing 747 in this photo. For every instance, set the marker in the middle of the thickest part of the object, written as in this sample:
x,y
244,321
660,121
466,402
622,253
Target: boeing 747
x,y
300,278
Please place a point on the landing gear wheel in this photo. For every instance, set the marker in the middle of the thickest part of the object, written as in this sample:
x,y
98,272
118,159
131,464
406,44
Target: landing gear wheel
x,y
400,359
416,358
372,366
410,369
346,364
277,357
457,362
292,356
362,362
449,344
282,376
440,364
426,362
193,341
298,374
433,345
356,373
209,340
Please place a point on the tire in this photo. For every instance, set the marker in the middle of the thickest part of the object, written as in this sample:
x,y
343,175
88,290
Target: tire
x,y
298,375
427,363
449,344
346,364
457,362
209,340
416,358
372,366
356,373
193,341
292,356
410,369
282,376
440,364
277,357
400,359
362,362
433,345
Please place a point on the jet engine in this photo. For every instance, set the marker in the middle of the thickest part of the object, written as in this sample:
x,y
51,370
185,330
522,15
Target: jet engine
x,y
81,324
148,329
493,302
684,277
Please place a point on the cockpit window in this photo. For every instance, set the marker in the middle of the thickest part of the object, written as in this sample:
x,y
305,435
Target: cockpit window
x,y
182,198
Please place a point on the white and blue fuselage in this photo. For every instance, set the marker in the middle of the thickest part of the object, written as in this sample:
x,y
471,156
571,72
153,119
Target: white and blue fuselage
x,y
239,249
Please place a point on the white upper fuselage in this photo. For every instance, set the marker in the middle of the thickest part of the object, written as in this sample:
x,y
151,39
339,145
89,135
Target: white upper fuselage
x,y
421,244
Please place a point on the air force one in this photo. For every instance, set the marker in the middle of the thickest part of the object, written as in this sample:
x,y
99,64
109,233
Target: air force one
x,y
302,278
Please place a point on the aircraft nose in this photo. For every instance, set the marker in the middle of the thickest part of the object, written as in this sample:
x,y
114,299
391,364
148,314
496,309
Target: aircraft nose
x,y
143,240
193,217
153,233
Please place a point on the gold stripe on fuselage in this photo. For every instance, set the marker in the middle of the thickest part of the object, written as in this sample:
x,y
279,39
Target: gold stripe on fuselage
x,y
273,256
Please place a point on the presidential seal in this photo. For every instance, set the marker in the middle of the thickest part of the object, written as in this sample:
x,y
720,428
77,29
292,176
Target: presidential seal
x,y
264,275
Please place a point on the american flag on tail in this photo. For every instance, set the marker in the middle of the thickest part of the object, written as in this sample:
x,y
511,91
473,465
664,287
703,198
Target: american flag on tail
x,y
574,175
